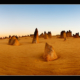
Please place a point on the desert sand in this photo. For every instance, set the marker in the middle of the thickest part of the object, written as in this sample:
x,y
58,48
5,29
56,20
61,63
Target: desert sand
x,y
27,58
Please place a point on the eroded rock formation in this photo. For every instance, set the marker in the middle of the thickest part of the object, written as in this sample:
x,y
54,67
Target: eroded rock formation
x,y
35,38
45,35
69,34
13,41
41,35
49,53
61,35
76,35
49,34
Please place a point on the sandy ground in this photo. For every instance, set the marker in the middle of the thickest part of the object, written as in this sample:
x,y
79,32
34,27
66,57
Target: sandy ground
x,y
27,59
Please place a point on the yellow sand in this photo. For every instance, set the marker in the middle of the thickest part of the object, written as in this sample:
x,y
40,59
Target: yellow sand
x,y
27,59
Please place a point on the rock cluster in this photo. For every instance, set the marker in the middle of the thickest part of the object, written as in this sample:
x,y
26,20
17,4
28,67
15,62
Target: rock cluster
x,y
76,35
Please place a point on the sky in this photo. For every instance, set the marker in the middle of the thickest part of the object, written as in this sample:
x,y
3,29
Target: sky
x,y
23,19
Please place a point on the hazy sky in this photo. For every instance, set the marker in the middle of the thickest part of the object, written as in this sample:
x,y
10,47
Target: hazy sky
x,y
22,19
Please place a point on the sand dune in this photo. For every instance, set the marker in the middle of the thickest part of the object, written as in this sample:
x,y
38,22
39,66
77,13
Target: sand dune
x,y
27,59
